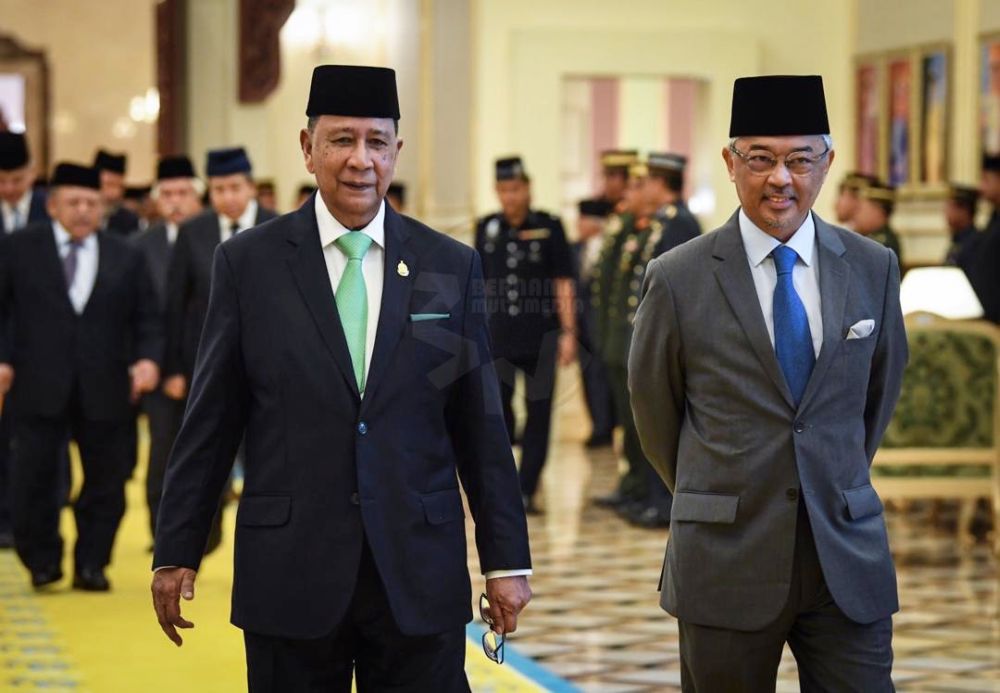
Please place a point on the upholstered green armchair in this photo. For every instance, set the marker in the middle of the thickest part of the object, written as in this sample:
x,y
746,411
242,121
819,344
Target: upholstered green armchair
x,y
943,439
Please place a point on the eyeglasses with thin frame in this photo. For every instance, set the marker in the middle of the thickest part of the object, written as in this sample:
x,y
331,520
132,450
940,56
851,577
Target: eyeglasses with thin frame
x,y
797,163
492,641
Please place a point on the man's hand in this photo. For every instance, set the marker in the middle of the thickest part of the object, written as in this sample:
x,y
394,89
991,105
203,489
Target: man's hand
x,y
507,595
169,585
6,378
567,348
175,387
145,376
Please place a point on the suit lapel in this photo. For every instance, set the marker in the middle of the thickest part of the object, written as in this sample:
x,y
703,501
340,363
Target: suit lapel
x,y
308,267
393,313
834,277
49,250
733,275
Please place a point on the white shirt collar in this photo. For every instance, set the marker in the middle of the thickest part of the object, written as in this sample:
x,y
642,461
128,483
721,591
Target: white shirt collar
x,y
246,220
330,229
759,244
63,238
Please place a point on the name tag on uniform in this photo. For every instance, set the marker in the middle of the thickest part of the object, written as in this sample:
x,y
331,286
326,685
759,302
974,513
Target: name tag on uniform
x,y
533,234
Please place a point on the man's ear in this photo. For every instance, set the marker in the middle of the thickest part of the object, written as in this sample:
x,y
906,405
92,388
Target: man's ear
x,y
727,156
305,142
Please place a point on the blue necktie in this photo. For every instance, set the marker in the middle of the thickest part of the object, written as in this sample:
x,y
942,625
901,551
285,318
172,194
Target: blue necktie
x,y
792,340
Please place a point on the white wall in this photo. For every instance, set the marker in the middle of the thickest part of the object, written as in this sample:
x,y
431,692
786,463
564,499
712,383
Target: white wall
x,y
100,56
524,49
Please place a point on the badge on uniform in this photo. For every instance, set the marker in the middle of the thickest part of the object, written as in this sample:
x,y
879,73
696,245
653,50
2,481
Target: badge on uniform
x,y
402,270
493,228
533,234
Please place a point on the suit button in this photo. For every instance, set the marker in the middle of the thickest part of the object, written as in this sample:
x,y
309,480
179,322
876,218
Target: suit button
x,y
362,428
792,494
799,427
355,499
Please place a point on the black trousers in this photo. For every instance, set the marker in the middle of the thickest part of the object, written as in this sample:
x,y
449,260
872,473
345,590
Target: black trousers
x,y
833,653
5,462
368,644
107,457
164,415
540,379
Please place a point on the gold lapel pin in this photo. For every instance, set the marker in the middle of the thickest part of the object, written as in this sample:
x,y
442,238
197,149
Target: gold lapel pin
x,y
402,270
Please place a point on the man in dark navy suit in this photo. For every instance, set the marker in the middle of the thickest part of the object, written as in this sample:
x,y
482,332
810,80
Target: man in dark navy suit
x,y
350,344
178,198
20,205
85,338
117,218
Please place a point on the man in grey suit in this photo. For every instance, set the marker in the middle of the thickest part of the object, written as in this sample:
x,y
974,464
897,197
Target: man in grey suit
x,y
765,365
178,198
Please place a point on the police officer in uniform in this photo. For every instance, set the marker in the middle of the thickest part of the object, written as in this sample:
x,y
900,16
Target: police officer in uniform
x,y
615,165
529,293
662,189
960,213
593,216
875,206
629,231
660,184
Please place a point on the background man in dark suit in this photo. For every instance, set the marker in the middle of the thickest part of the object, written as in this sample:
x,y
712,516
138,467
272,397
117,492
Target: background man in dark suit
x,y
233,196
20,204
350,344
85,339
234,209
766,362
117,218
960,214
178,198
984,275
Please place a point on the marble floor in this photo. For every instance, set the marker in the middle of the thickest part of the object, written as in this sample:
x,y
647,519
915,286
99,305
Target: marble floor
x,y
595,620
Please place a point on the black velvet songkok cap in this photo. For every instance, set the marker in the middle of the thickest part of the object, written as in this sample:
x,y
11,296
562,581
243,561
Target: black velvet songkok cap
x,y
778,106
355,91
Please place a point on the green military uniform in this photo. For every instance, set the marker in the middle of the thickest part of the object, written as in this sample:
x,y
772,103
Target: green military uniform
x,y
887,237
636,248
885,196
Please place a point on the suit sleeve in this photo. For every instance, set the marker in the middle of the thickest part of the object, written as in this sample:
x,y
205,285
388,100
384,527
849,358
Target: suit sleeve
x,y
562,261
178,294
6,298
482,448
147,320
888,362
214,423
655,375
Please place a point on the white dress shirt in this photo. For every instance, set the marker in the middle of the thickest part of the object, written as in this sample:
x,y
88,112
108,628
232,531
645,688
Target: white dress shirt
x,y
805,275
23,208
246,221
86,266
171,232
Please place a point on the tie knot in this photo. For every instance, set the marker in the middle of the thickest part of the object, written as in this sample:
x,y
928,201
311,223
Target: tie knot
x,y
784,259
354,244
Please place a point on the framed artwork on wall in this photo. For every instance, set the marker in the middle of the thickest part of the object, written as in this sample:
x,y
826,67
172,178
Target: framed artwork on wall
x,y
24,97
935,95
900,100
989,94
868,82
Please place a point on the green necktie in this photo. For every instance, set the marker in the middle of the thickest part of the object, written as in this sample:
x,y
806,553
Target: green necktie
x,y
352,300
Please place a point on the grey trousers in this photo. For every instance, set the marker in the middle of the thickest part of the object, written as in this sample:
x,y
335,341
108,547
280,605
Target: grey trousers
x,y
833,653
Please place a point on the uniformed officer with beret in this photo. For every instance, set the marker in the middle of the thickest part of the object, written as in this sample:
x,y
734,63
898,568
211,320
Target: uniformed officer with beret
x,y
529,294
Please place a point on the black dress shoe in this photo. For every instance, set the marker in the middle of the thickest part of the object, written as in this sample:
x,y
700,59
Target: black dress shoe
x,y
649,518
612,500
44,577
91,580
598,441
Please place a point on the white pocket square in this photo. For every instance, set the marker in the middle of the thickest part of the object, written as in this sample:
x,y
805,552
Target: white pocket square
x,y
861,329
